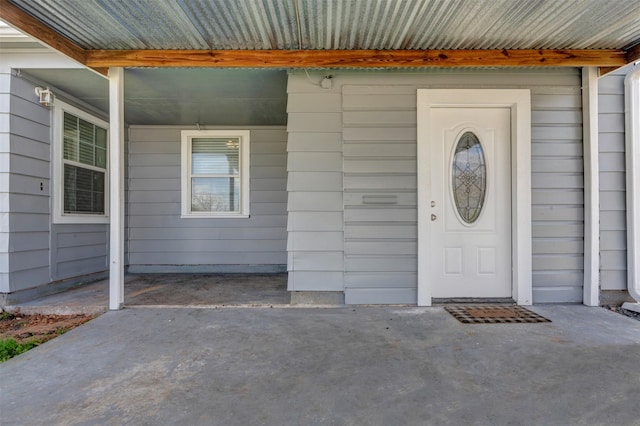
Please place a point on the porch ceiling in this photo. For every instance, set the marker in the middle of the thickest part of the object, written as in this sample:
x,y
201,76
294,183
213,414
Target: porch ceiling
x,y
334,33
183,96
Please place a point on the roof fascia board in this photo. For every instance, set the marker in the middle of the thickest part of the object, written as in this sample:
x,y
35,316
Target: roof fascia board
x,y
8,33
38,59
354,58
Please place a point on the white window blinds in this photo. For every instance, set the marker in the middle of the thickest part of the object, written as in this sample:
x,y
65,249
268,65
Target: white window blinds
x,y
85,163
215,174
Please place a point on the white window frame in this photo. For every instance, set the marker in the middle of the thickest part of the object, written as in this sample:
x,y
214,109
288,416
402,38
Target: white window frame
x,y
59,216
185,166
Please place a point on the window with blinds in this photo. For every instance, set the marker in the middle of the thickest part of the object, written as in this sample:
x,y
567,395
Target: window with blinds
x,y
84,166
215,173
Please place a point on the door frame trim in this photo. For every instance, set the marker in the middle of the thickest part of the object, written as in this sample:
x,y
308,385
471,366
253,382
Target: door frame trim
x,y
519,102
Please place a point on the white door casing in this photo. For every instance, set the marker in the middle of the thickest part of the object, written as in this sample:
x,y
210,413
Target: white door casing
x,y
518,104
470,256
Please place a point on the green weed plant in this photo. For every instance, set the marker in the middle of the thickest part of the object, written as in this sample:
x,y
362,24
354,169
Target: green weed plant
x,y
10,348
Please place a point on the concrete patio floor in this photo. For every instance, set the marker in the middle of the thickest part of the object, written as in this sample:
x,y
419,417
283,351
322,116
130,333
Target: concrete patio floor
x,y
336,366
167,290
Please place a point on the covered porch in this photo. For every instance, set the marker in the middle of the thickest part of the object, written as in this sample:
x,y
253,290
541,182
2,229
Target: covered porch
x,y
147,230
173,87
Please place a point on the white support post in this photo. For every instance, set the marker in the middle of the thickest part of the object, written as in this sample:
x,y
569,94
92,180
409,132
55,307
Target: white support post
x,y
116,188
591,285
632,152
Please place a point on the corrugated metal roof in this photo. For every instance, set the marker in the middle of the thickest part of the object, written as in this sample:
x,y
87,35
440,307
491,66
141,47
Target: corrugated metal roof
x,y
342,24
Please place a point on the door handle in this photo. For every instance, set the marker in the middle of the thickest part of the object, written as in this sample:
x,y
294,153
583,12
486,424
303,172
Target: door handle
x,y
433,217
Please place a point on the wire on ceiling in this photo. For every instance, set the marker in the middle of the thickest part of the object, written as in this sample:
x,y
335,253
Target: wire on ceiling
x,y
299,26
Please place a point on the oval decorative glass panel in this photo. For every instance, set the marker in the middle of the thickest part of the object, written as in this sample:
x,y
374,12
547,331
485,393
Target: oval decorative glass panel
x,y
469,177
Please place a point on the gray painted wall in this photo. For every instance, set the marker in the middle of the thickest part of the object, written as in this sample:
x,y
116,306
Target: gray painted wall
x,y
39,251
314,184
29,219
5,100
373,114
161,241
613,225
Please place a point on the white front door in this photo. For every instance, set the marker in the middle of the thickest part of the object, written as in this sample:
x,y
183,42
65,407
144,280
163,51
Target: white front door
x,y
470,207
480,245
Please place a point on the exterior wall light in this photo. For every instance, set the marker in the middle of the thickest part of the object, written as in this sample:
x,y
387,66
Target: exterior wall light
x,y
45,96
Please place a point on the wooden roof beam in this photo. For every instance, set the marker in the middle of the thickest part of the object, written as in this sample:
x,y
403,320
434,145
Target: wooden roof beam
x,y
631,55
602,71
354,58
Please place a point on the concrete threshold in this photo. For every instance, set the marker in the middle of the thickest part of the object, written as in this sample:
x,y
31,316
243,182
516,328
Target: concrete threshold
x,y
239,306
633,307
56,310
274,306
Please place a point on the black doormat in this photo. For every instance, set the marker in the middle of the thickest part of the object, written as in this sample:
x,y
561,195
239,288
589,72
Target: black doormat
x,y
494,314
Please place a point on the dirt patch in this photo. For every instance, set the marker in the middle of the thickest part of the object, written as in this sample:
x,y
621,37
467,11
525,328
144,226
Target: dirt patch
x,y
26,328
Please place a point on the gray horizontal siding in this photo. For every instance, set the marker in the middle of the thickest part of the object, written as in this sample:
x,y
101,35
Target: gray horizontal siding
x,y
557,193
380,227
160,240
5,140
379,175
613,249
29,217
78,249
314,187
38,251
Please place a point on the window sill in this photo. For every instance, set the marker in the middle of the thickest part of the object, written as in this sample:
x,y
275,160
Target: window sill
x,y
215,216
81,219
